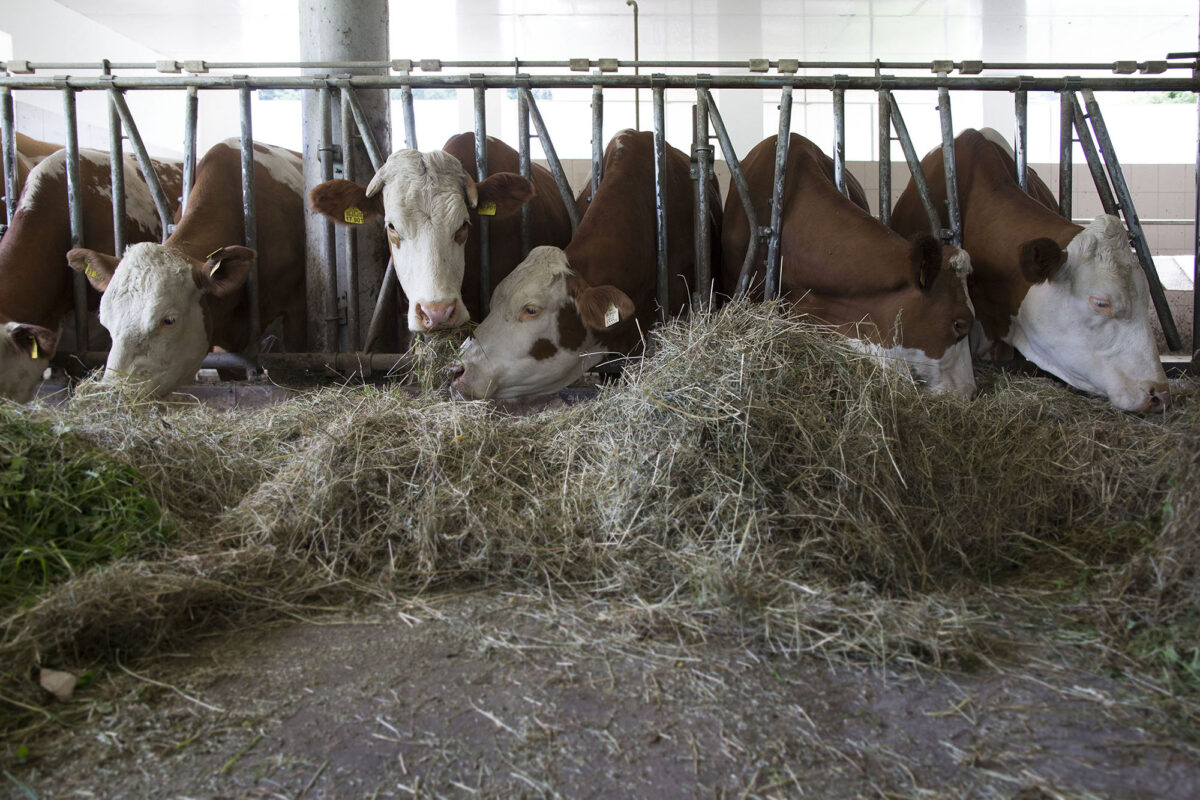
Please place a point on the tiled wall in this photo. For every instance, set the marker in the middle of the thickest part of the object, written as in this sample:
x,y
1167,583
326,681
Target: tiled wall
x,y
1160,191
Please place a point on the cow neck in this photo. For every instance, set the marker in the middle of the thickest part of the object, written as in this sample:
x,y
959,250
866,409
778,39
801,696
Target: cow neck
x,y
35,282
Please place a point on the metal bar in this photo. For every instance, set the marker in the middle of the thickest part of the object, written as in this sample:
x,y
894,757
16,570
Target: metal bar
x,y
329,274
597,138
1021,143
481,173
410,119
914,167
839,141
885,158
955,236
161,203
350,235
382,306
1136,234
191,119
75,204
703,154
637,95
249,216
774,281
116,169
738,179
374,153
1066,150
660,200
526,167
315,362
9,135
1107,201
556,169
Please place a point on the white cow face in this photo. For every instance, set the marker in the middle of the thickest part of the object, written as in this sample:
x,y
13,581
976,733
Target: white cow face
x,y
25,352
1088,320
543,332
154,307
426,200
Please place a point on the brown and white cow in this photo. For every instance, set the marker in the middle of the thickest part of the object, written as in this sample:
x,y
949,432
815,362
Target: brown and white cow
x,y
1071,299
431,204
905,301
560,312
30,152
166,305
35,285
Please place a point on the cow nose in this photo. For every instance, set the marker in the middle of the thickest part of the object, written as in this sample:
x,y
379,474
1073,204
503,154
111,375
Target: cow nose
x,y
1159,399
437,315
455,370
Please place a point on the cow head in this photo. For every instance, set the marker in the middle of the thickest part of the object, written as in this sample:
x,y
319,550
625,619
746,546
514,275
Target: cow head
x,y
154,307
25,352
426,200
543,332
1086,317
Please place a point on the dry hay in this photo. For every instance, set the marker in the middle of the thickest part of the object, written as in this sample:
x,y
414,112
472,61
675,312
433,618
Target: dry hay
x,y
755,475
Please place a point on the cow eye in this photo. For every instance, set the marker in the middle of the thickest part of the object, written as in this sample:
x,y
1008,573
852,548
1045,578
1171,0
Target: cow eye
x,y
460,235
393,234
960,327
1101,304
530,311
168,322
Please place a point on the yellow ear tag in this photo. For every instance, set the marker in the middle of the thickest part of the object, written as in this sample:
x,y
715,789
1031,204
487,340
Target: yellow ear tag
x,y
354,215
34,353
487,209
90,271
611,317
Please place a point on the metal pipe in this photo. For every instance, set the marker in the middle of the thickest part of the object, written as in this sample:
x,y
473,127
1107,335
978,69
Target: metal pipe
x,y
914,167
526,167
783,140
637,95
1136,234
1021,143
703,155
1066,150
950,166
350,234
329,242
663,290
249,216
839,141
410,119
75,205
885,158
191,119
350,98
738,178
161,204
556,169
382,306
1095,167
1196,255
481,173
9,136
597,139
116,171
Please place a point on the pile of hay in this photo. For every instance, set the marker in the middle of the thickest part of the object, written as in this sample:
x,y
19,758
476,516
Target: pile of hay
x,y
754,476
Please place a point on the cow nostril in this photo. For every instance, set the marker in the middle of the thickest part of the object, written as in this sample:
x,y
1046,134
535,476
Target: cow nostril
x,y
455,370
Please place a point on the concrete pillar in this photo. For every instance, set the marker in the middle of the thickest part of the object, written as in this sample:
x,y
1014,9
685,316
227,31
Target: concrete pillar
x,y
334,30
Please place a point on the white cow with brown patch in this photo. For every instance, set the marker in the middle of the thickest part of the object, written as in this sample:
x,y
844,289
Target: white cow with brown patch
x,y
168,305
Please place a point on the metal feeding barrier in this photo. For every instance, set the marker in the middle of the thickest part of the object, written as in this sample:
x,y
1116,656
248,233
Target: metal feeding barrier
x,y
1081,121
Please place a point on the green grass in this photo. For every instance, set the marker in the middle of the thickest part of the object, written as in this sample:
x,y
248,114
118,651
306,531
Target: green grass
x,y
64,507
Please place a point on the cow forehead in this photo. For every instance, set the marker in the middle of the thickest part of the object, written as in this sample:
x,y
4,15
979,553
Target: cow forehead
x,y
533,278
1099,257
424,186
149,271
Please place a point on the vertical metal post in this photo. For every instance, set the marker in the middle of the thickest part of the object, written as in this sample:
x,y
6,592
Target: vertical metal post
x,y
410,119
660,193
116,171
1021,143
1196,248
743,189
950,167
249,217
481,173
1107,201
782,143
1066,150
526,168
839,139
191,118
350,238
597,138
637,93
703,155
9,135
75,204
1136,235
329,243
885,158
914,167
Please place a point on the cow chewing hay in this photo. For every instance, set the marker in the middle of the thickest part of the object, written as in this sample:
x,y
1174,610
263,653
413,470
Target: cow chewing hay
x,y
756,475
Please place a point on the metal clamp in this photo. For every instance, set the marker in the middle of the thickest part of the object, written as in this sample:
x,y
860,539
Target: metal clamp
x,y
1023,82
431,65
658,81
478,80
195,67
941,67
580,65
704,81
788,66
841,81
19,67
167,66
402,65
759,65
970,68
1124,67
608,64
1072,83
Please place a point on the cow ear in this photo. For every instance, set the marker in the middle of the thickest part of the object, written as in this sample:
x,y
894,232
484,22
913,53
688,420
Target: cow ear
x,y
925,255
502,195
98,267
33,341
602,307
225,271
1041,259
345,202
